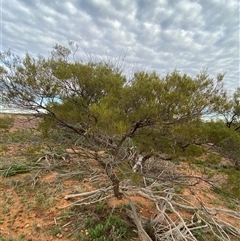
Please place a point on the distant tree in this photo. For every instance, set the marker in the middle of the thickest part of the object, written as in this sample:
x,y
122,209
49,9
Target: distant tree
x,y
231,111
226,140
97,103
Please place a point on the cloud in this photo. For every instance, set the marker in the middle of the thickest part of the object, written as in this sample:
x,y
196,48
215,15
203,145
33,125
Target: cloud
x,y
157,35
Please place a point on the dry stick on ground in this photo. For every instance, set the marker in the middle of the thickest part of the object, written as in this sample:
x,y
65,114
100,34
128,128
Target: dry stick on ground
x,y
141,232
104,190
91,197
178,229
169,226
166,228
95,198
213,215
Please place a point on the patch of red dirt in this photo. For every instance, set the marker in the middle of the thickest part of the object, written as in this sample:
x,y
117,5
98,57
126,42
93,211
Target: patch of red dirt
x,y
50,177
145,206
202,192
22,122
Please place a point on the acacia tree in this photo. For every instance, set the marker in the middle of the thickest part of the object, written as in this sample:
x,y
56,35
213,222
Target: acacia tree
x,y
96,103
231,111
95,100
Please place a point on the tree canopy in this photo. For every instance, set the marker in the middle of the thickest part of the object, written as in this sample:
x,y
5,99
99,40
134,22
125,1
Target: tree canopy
x,y
98,103
130,120
96,96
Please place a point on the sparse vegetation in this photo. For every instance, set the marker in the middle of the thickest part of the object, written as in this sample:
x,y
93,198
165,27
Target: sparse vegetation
x,y
113,226
5,122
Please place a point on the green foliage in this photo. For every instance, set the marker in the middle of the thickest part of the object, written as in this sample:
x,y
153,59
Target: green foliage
x,y
100,207
226,140
55,231
47,126
112,228
126,173
21,237
233,204
15,169
95,105
81,236
198,233
231,111
95,98
213,159
6,122
34,149
194,150
231,187
216,132
22,136
230,147
3,147
197,161
89,222
150,139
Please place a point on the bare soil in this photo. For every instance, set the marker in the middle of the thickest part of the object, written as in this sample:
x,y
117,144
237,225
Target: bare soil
x,y
22,122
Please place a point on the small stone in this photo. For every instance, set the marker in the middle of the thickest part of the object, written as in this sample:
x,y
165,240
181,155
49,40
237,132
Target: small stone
x,y
211,144
59,235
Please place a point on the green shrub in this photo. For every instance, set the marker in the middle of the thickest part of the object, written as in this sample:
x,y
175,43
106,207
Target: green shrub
x,y
216,132
231,186
226,140
6,122
213,160
113,228
194,150
15,169
55,231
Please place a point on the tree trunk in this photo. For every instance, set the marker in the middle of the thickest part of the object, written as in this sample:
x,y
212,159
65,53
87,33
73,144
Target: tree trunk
x,y
115,180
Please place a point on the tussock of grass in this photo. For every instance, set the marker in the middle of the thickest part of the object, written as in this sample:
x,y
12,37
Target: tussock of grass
x,y
6,122
15,169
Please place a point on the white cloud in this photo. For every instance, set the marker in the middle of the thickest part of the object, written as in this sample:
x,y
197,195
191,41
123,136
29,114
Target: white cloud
x,y
70,7
160,34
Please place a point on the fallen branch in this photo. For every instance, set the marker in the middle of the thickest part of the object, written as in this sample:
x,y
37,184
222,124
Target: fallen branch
x,y
87,193
143,236
91,197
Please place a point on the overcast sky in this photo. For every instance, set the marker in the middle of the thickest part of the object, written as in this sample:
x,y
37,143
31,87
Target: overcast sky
x,y
156,35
